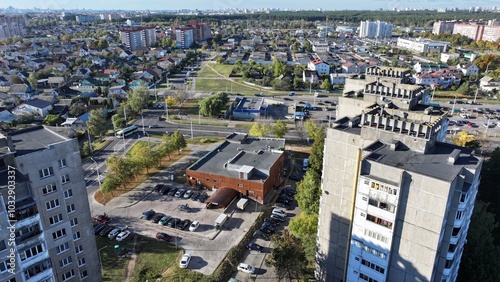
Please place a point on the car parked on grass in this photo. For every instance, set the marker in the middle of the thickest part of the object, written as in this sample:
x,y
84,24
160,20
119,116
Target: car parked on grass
x,y
261,235
194,225
105,231
255,247
184,224
243,267
102,218
123,235
147,215
163,236
157,217
114,232
186,258
180,192
99,227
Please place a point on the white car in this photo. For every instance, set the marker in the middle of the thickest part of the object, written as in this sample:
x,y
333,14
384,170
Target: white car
x,y
123,235
289,117
194,225
279,212
114,233
188,194
186,258
243,267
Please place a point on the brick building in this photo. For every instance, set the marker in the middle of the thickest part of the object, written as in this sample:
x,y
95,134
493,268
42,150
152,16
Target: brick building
x,y
252,166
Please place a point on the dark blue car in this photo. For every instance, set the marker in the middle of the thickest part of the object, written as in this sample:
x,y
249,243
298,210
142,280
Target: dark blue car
x,y
148,214
255,247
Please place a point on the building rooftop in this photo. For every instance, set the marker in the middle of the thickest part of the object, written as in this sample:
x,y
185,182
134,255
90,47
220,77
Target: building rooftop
x,y
444,163
34,139
240,153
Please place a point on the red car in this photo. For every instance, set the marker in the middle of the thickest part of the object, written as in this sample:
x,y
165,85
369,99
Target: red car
x,y
163,236
470,125
102,218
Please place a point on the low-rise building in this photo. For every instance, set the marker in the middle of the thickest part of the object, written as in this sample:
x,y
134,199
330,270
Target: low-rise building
x,y
319,66
422,45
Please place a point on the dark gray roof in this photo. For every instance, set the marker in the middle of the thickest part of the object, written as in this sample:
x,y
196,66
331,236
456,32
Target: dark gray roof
x,y
251,152
434,164
38,103
34,139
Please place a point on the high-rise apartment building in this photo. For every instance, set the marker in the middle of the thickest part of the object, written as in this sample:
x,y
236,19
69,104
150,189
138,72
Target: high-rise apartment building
x,y
376,29
201,31
50,235
184,37
138,37
396,200
473,31
441,27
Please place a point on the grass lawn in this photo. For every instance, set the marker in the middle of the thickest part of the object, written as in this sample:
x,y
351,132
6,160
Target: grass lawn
x,y
243,125
203,140
207,72
222,69
103,197
223,85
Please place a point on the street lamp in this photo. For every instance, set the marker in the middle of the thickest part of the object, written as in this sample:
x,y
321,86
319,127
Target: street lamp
x,y
100,260
98,175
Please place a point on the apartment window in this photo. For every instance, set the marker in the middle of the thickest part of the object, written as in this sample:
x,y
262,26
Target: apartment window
x,y
365,277
73,222
373,266
382,205
70,208
463,197
49,188
79,249
68,275
68,193
65,261
76,236
46,172
379,221
65,178
448,264
459,215
55,219
59,234
84,274
62,248
452,248
215,181
31,252
4,266
81,261
240,185
207,180
34,270
376,236
62,163
455,231
52,204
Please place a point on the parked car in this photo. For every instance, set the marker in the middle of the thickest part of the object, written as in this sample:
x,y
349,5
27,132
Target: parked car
x,y
172,191
279,212
188,194
194,225
173,222
283,205
184,224
277,217
195,196
99,227
186,258
261,235
202,197
255,247
266,231
272,221
165,219
184,207
105,231
157,217
123,235
295,177
102,218
163,236
154,125
243,267
268,225
164,190
180,192
158,187
114,233
147,215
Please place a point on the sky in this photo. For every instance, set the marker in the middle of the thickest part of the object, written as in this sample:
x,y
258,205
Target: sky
x,y
252,4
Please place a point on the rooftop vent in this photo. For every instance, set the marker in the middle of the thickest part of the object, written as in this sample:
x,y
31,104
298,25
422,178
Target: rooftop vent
x,y
452,158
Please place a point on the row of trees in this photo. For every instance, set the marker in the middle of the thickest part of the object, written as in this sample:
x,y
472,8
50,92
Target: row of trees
x,y
261,129
123,168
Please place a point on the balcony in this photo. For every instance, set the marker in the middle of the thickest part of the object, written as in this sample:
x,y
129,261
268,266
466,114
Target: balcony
x,y
452,250
32,219
30,239
41,276
446,271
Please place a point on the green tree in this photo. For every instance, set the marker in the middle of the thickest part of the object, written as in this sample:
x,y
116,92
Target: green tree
x,y
287,257
85,150
280,129
305,226
118,121
313,130
316,156
326,85
77,109
178,142
110,184
32,80
121,168
137,99
143,156
278,68
166,148
96,124
464,139
52,120
259,129
309,192
213,105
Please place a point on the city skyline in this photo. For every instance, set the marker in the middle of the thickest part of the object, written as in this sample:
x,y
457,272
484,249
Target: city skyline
x,y
240,4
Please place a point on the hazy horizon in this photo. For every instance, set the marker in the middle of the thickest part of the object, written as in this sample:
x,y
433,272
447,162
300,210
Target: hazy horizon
x,y
240,4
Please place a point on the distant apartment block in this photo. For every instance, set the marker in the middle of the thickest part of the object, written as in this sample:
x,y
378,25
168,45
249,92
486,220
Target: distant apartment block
x,y
442,27
376,29
53,227
138,37
422,45
479,30
87,18
193,33
201,31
